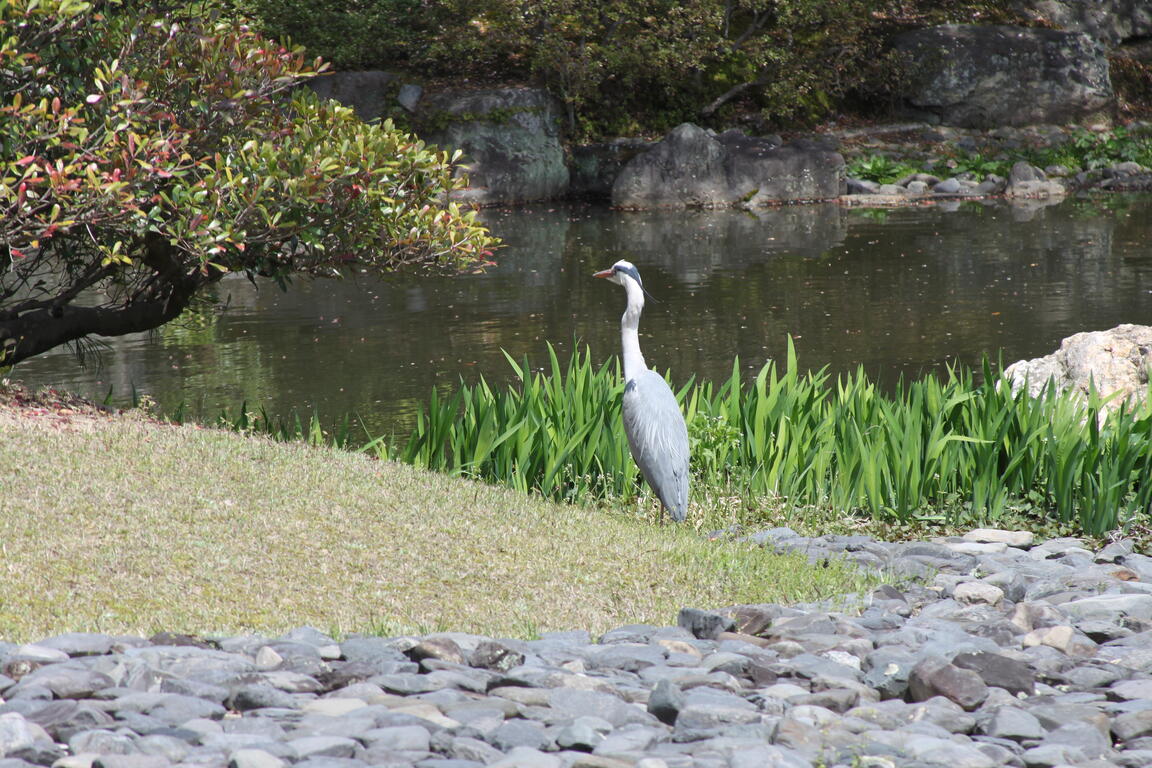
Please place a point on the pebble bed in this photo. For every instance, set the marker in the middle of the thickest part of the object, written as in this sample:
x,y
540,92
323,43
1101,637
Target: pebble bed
x,y
1001,652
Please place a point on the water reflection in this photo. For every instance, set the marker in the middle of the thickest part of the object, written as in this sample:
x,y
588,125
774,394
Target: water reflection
x,y
898,292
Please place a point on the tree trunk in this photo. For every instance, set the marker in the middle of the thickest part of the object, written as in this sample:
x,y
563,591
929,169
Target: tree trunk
x,y
37,330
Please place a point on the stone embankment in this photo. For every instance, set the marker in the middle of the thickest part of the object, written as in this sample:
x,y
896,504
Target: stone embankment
x,y
996,653
925,146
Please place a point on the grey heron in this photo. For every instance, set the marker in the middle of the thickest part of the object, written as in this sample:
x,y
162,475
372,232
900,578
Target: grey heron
x,y
657,435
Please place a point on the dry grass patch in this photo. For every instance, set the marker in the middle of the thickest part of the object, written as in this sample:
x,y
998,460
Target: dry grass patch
x,y
118,524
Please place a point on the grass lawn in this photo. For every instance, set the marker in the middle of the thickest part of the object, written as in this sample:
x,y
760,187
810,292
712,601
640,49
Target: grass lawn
x,y
119,524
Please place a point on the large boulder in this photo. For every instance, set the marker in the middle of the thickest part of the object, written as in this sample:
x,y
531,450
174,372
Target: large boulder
x,y
990,76
696,168
1116,361
594,167
510,138
1112,22
370,94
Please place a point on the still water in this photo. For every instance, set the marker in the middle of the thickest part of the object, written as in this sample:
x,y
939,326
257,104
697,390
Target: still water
x,y
899,292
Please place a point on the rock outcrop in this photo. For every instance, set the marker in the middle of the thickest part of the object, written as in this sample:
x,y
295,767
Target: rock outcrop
x,y
510,138
695,168
1112,22
371,94
1116,361
594,167
989,76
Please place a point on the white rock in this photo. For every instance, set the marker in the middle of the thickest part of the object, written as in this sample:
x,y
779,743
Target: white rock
x,y
82,760
1021,539
1063,638
35,652
254,758
1116,361
18,733
843,657
976,547
972,592
268,658
429,712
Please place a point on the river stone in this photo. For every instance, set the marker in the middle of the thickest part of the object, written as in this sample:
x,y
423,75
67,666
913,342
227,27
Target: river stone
x,y
1110,607
977,592
1014,723
464,748
442,648
1132,725
1021,539
406,683
526,757
17,733
253,758
1082,736
629,740
583,733
518,733
1132,689
101,741
130,761
627,657
998,670
602,705
495,656
984,76
260,696
322,746
945,752
81,643
666,701
706,625
65,682
934,676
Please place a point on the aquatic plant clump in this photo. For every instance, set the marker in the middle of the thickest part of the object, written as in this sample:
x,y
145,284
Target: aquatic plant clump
x,y
958,447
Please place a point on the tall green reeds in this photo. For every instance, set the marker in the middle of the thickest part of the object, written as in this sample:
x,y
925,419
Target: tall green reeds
x,y
937,446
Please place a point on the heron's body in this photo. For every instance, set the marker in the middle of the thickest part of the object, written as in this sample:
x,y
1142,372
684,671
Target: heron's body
x,y
657,435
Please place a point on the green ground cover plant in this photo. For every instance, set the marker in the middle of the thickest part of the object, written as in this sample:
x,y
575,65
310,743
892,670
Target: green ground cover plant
x,y
1084,150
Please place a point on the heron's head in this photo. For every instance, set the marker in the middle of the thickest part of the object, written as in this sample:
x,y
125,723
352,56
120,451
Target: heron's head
x,y
620,272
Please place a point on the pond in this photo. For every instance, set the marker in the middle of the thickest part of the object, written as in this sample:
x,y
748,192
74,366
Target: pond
x,y
899,292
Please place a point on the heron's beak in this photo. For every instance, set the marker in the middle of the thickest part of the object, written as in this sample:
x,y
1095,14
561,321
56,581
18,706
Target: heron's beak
x,y
604,273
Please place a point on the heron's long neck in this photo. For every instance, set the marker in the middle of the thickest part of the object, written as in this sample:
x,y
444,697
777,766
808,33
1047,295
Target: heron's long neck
x,y
634,363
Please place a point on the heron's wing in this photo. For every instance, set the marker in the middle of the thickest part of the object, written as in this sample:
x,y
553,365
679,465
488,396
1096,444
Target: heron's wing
x,y
658,438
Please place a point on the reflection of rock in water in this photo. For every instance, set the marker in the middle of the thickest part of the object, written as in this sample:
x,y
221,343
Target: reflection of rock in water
x,y
1027,208
690,245
416,300
534,239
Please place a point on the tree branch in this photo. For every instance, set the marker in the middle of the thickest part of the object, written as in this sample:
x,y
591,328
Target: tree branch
x,y
728,95
31,332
